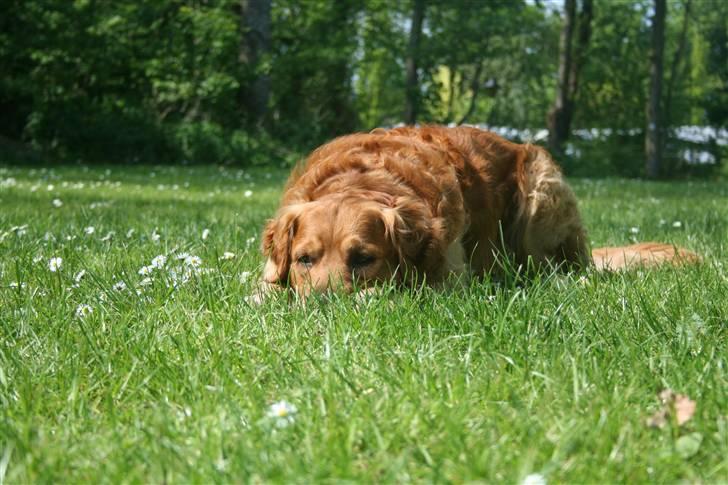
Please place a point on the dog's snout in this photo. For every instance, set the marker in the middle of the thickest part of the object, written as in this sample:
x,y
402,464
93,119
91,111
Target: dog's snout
x,y
322,280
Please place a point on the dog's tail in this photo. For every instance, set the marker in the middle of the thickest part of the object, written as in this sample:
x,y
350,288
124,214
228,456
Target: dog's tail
x,y
647,254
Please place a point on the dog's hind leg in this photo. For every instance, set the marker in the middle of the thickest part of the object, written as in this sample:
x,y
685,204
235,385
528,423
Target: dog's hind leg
x,y
549,229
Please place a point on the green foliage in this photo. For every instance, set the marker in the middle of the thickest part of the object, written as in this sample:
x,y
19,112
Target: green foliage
x,y
166,80
311,74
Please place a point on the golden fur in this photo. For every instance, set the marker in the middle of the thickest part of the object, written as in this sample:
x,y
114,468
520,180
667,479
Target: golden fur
x,y
643,254
414,204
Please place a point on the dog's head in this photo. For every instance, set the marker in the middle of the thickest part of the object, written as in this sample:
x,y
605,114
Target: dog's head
x,y
346,242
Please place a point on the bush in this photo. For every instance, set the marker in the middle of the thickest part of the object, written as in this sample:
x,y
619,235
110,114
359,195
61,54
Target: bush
x,y
101,134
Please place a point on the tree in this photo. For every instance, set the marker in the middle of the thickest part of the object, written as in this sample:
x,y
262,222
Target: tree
x,y
571,61
412,86
255,44
653,133
677,59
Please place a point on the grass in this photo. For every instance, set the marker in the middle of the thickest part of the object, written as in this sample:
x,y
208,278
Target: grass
x,y
494,382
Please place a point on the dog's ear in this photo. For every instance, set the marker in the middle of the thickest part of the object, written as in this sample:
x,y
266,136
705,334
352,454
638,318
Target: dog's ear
x,y
276,245
413,234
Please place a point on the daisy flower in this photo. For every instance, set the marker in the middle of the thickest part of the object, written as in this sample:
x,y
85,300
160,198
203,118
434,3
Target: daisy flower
x,y
248,193
227,255
159,261
677,224
119,286
634,230
57,202
534,479
146,270
55,264
282,413
205,234
84,310
193,261
79,276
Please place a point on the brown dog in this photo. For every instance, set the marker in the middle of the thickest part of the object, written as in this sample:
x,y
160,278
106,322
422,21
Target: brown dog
x,y
418,204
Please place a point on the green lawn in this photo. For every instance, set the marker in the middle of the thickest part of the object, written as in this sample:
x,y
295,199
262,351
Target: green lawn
x,y
173,378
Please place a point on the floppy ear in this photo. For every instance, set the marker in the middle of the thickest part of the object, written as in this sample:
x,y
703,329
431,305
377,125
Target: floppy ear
x,y
276,245
415,236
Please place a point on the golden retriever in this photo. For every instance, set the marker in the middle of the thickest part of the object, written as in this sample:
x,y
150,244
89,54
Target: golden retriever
x,y
416,205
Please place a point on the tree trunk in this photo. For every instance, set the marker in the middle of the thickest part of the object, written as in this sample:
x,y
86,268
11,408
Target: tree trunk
x,y
475,88
412,86
582,43
558,115
255,44
653,136
452,74
676,60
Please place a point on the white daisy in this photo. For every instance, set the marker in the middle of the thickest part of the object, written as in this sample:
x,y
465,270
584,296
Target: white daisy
x,y
79,276
155,236
244,276
159,261
146,270
57,203
109,236
227,255
83,310
55,264
534,479
119,286
282,413
193,261
145,282
677,224
634,230
89,230
205,234
248,193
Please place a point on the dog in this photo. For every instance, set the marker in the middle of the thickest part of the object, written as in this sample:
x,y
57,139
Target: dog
x,y
417,205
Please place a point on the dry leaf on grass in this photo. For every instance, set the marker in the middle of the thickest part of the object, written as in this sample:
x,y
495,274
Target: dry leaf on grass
x,y
684,409
678,405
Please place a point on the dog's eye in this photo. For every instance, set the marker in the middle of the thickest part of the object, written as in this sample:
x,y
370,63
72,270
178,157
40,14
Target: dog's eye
x,y
360,260
305,260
